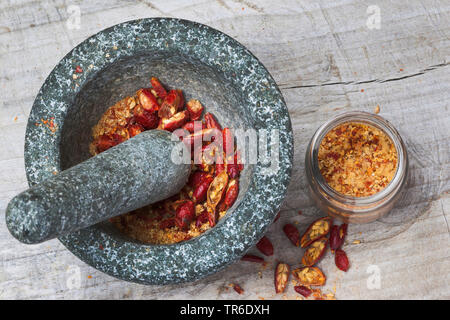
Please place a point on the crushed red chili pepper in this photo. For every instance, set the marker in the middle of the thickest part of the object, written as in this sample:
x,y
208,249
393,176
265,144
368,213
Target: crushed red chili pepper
x,y
210,191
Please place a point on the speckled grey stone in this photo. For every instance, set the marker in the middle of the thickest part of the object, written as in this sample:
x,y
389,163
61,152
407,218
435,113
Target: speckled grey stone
x,y
126,177
207,65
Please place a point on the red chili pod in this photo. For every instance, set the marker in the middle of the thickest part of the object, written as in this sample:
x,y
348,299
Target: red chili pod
x,y
314,252
252,258
220,165
158,87
316,230
292,233
148,100
174,122
197,177
211,122
195,109
337,236
341,260
304,291
185,214
199,194
265,246
281,277
231,193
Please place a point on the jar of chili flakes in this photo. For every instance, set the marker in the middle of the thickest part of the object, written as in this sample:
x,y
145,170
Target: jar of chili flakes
x,y
357,166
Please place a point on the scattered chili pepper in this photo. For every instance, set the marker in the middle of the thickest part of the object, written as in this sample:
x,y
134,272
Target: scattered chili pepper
x,y
214,195
78,69
341,260
314,252
316,230
292,233
265,246
304,291
337,236
200,191
310,276
281,277
252,258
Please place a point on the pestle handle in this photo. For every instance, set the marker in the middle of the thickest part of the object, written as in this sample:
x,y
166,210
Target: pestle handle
x,y
126,177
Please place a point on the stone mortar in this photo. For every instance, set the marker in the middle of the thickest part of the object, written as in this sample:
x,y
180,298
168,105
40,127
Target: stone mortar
x,y
207,65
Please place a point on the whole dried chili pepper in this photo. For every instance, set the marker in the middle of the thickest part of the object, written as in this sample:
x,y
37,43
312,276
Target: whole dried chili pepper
x,y
147,100
316,230
175,122
195,109
281,277
199,194
135,129
230,195
292,233
185,214
314,252
173,102
337,236
197,177
310,276
265,246
214,195
252,258
304,291
211,122
341,260
158,87
238,288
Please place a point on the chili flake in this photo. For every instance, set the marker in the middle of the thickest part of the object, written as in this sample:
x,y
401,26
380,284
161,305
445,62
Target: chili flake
x,y
357,159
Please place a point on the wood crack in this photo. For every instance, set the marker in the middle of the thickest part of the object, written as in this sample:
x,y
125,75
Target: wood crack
x,y
346,83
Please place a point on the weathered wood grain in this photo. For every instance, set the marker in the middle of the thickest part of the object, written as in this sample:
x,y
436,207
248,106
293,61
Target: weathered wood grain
x,y
325,60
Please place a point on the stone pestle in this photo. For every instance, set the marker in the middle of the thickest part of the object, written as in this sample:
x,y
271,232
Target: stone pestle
x,y
128,176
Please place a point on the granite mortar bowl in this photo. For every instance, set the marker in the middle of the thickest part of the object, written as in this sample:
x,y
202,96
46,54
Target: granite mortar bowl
x,y
205,64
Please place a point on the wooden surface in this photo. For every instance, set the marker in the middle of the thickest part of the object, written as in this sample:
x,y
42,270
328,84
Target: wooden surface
x,y
326,58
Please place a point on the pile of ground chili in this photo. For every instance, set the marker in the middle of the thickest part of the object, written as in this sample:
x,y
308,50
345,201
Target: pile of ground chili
x,y
214,182
357,159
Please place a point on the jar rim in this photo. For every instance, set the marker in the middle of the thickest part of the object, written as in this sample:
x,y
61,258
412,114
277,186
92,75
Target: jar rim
x,y
362,203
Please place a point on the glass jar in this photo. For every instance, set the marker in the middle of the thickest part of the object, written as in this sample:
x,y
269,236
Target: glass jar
x,y
351,209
